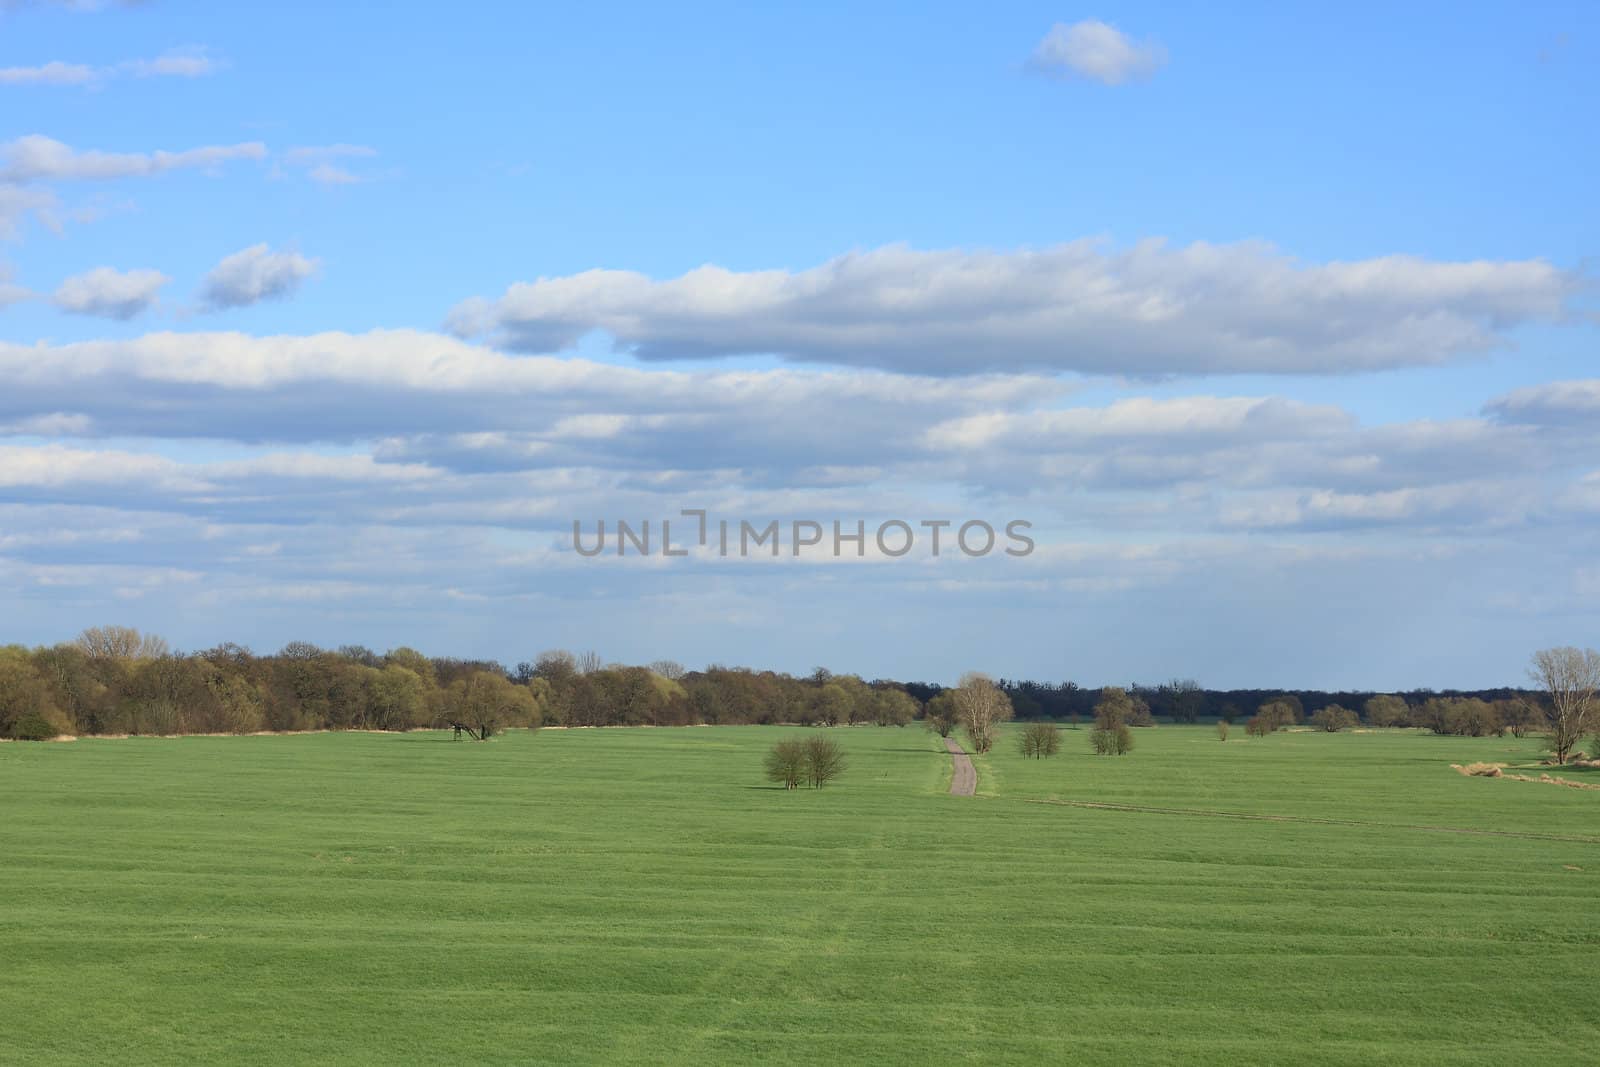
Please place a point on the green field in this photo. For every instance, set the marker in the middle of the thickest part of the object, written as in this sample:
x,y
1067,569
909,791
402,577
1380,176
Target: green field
x,y
627,896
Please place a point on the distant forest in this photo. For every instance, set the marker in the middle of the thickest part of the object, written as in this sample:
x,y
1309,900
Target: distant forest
x,y
115,680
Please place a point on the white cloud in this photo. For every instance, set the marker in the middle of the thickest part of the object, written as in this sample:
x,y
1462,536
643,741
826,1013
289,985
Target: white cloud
x,y
188,63
56,466
328,174
319,162
1148,309
184,63
254,274
50,424
1574,403
1097,51
53,73
9,292
17,203
306,155
110,293
82,6
39,158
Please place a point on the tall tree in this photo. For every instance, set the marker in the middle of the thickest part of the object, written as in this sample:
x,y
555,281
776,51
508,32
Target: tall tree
x,y
983,707
1571,677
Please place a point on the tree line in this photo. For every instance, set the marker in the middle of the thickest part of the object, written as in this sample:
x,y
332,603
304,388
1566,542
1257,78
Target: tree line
x,y
116,680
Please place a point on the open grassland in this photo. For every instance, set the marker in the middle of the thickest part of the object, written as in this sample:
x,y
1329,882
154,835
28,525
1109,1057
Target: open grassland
x,y
620,896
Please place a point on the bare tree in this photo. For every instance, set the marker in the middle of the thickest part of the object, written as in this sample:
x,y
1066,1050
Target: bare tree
x,y
668,668
982,707
120,642
589,662
1571,676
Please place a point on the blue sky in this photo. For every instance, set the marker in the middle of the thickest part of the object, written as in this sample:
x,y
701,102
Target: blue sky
x,y
1278,325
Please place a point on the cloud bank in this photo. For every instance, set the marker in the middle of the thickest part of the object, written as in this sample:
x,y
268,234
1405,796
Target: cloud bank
x,y
1151,309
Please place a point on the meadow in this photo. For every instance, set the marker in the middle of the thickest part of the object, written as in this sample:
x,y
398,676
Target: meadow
x,y
643,896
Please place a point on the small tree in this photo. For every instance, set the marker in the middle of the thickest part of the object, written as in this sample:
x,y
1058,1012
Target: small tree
x,y
786,763
1571,676
942,715
893,707
1113,741
824,760
1040,740
1334,718
486,701
1222,729
1521,716
1113,709
1257,727
1387,710
1277,713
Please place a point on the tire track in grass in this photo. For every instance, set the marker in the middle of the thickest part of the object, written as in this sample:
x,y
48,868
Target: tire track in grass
x,y
1148,810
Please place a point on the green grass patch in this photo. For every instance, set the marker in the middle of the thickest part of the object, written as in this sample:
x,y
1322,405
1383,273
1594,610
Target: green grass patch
x,y
644,896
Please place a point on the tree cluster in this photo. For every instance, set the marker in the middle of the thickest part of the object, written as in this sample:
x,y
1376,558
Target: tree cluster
x,y
114,680
814,761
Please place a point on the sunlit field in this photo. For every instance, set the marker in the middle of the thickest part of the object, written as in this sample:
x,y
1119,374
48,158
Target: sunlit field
x,y
642,895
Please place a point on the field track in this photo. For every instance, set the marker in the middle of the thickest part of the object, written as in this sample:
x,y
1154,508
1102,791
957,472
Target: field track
x,y
964,779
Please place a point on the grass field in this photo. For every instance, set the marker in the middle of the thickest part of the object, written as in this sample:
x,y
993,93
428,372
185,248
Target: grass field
x,y
624,896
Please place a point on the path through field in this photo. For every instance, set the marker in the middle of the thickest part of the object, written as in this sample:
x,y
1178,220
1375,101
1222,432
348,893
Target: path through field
x,y
964,782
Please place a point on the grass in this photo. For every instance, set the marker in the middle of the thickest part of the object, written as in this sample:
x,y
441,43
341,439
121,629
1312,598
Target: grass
x,y
625,896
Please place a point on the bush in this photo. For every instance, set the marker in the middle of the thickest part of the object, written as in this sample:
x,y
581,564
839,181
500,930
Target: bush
x,y
1040,740
1222,729
1258,727
786,763
1277,713
1334,718
33,726
1115,741
1463,717
824,760
1385,710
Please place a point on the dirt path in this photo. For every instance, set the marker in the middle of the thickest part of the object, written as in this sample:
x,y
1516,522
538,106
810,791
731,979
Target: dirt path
x,y
964,780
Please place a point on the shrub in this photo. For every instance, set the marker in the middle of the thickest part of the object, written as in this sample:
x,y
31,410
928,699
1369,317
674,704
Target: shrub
x,y
1385,710
1463,717
1334,718
1115,741
1222,729
1277,713
824,760
33,726
1258,727
786,763
1040,740
942,714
